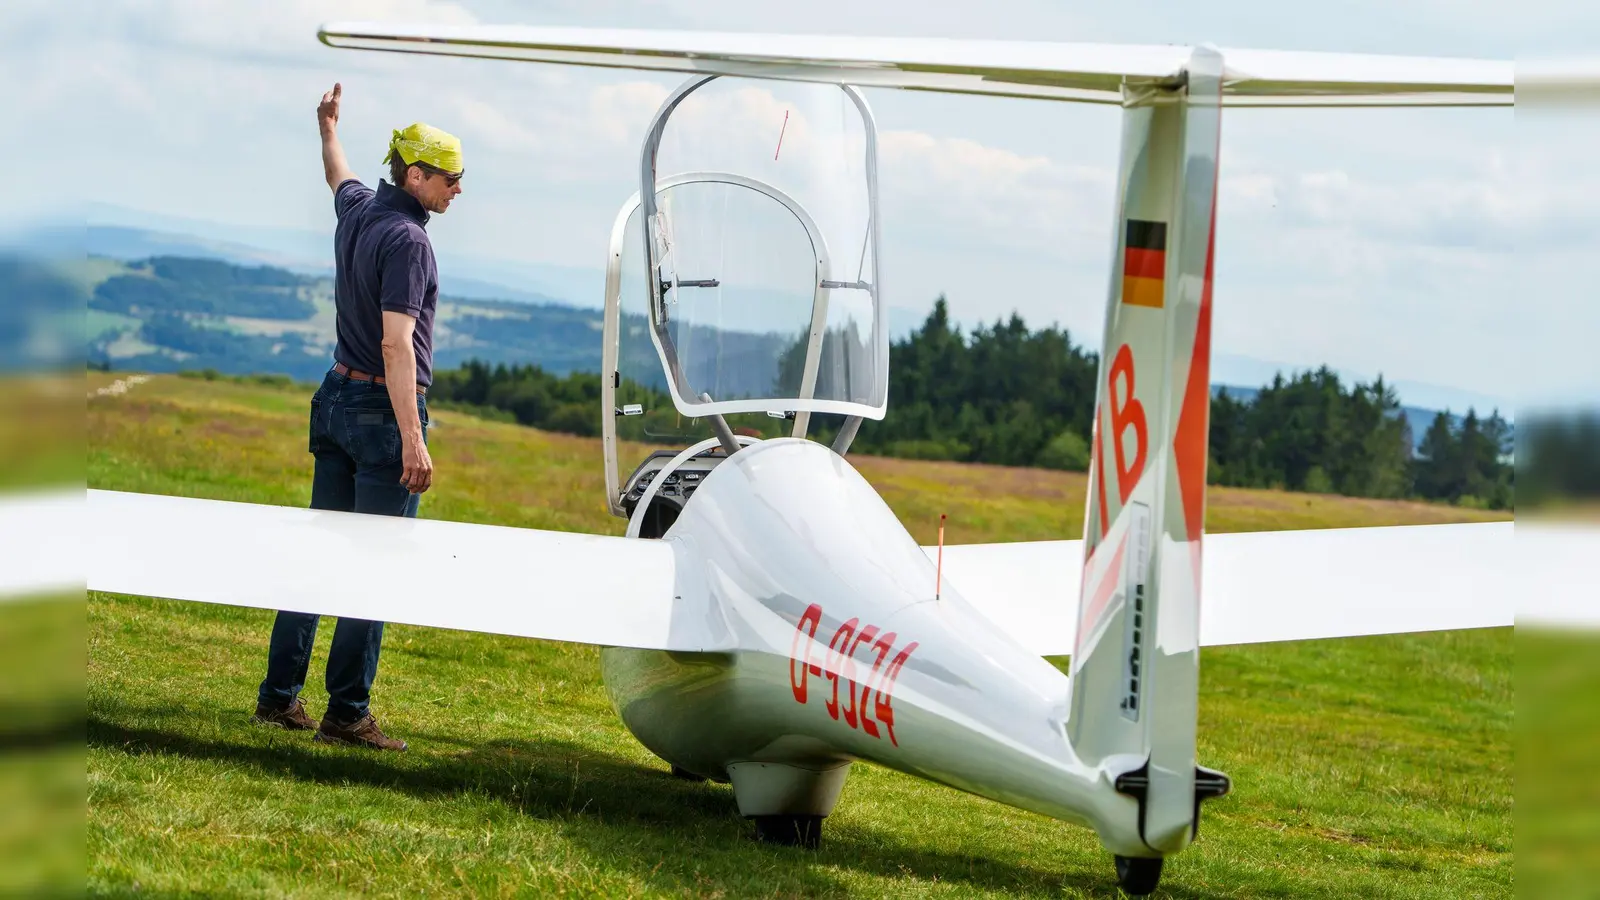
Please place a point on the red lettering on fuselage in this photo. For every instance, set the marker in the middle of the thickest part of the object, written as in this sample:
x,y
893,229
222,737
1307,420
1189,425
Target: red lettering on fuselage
x,y
813,617
1126,413
838,650
864,705
866,636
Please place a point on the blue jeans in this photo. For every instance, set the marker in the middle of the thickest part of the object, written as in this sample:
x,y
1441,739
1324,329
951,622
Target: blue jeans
x,y
356,443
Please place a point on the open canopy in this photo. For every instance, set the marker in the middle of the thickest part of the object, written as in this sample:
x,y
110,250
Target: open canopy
x,y
756,240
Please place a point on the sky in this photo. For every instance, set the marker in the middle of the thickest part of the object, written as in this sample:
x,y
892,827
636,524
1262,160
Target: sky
x,y
1437,247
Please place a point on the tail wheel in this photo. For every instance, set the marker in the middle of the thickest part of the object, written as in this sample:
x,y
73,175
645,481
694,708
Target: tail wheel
x,y
1138,876
790,831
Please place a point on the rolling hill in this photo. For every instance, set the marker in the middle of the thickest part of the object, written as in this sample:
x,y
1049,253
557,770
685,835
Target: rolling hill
x,y
172,314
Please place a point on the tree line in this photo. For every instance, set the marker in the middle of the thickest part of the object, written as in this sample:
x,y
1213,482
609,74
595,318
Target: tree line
x,y
1311,433
1558,455
1003,394
525,394
1009,395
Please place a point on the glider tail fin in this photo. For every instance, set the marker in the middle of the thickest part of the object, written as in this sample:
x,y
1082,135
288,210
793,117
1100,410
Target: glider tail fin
x,y
1135,666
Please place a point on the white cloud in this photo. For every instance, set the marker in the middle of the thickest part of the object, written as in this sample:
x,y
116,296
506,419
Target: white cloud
x,y
283,31
992,196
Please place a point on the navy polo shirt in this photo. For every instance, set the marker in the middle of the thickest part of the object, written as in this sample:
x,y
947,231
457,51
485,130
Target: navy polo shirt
x,y
382,261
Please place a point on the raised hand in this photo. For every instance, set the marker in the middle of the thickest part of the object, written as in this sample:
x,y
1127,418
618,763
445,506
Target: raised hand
x,y
334,167
328,109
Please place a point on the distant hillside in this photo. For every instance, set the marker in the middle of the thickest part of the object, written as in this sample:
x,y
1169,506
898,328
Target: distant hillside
x,y
169,314
41,313
128,236
135,244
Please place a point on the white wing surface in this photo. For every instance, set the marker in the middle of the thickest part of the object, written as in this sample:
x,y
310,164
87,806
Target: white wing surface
x,y
37,531
1557,567
1094,73
1269,586
1258,587
558,586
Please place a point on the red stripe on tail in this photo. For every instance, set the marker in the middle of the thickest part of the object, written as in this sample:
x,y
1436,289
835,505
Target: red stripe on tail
x,y
1190,442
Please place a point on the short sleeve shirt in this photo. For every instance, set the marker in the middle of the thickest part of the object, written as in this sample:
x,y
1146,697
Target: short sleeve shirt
x,y
383,260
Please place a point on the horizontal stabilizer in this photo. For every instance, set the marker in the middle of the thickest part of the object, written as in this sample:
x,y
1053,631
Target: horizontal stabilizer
x,y
1269,586
584,588
1094,73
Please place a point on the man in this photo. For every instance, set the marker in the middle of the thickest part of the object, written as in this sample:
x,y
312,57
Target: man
x,y
369,418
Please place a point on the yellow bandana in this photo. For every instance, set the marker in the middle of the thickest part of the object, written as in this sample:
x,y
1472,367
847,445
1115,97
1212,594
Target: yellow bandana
x,y
424,143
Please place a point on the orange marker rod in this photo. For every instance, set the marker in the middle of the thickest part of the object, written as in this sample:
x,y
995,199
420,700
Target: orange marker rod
x,y
781,132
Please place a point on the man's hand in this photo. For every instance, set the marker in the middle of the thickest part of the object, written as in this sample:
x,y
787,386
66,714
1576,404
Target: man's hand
x,y
328,110
334,167
418,474
400,377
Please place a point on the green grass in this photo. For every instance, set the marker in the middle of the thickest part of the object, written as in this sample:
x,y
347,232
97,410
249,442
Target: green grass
x,y
41,751
235,439
1558,749
1376,767
41,432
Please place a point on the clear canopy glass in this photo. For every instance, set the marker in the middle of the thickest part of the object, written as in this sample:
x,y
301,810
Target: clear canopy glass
x,y
759,263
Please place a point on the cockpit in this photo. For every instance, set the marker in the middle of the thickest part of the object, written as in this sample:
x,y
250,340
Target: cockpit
x,y
743,299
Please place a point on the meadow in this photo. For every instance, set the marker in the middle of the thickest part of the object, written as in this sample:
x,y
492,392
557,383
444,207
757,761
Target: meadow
x,y
1375,767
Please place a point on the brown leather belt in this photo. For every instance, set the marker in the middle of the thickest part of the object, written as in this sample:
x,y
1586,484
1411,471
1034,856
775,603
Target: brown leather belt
x,y
358,375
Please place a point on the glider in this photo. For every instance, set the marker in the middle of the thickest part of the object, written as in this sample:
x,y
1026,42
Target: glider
x,y
767,621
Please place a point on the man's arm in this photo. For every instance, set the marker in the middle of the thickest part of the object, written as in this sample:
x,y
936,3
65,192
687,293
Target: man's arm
x,y
334,167
400,377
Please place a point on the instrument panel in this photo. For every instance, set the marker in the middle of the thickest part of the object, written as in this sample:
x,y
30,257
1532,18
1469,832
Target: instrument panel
x,y
678,485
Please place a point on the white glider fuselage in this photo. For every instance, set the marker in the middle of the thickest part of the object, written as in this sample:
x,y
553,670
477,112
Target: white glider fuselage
x,y
826,644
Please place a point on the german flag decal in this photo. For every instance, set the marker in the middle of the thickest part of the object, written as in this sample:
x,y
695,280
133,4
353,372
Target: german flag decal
x,y
1144,264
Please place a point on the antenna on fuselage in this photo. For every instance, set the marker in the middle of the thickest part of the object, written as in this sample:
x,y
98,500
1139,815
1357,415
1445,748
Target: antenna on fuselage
x,y
938,572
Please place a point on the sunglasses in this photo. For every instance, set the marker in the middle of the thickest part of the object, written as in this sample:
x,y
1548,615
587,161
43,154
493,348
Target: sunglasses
x,y
451,179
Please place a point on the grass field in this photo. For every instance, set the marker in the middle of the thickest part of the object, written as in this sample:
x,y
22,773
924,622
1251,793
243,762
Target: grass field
x,y
1374,767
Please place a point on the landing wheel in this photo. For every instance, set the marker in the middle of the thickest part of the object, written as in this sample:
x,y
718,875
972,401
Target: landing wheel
x,y
1138,876
790,831
686,775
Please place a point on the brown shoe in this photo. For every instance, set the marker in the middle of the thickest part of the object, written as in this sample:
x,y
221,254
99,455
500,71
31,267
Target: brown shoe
x,y
292,717
363,732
